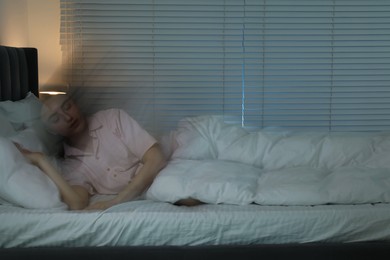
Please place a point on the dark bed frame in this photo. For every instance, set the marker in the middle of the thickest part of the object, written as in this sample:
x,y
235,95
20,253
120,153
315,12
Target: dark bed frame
x,y
19,75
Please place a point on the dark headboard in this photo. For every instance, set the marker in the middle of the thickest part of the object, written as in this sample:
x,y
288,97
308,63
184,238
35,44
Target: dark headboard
x,y
18,72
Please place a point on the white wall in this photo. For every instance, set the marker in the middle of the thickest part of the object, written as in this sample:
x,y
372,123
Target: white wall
x,y
13,23
34,23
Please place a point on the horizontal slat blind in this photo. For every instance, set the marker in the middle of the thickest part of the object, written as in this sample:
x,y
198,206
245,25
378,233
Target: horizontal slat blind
x,y
304,64
361,65
296,66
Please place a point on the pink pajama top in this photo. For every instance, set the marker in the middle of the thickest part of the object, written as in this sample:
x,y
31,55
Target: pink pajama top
x,y
119,144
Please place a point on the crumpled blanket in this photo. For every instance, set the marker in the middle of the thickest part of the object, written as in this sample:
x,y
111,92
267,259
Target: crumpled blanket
x,y
217,162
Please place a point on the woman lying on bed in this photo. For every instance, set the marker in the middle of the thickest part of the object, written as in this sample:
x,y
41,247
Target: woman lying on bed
x,y
107,153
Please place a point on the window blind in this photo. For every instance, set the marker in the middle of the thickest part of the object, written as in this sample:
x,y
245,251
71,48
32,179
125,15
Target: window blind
x,y
304,64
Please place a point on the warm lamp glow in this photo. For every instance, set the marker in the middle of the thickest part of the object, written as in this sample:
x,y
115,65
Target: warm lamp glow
x,y
54,89
52,93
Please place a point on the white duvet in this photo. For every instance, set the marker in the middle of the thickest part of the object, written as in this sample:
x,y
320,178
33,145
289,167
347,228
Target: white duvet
x,y
221,163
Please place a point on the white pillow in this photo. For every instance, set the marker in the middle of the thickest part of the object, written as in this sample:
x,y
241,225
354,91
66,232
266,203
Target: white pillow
x,y
22,113
28,139
23,184
210,181
6,128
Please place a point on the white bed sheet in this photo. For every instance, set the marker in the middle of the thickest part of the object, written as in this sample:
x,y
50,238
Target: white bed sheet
x,y
151,223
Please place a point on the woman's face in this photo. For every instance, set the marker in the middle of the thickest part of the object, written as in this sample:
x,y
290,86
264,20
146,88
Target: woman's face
x,y
63,117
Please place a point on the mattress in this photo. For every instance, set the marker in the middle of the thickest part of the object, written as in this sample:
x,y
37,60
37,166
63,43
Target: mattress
x,y
151,223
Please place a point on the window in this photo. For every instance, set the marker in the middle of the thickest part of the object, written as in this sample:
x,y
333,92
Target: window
x,y
304,64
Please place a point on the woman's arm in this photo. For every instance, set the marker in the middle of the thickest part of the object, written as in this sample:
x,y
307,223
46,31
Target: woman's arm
x,y
189,202
153,161
76,197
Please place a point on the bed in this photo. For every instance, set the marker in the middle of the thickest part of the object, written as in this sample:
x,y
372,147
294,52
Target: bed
x,y
236,222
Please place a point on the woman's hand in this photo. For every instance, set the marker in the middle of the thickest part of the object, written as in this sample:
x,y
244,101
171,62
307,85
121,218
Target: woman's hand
x,y
102,205
34,157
